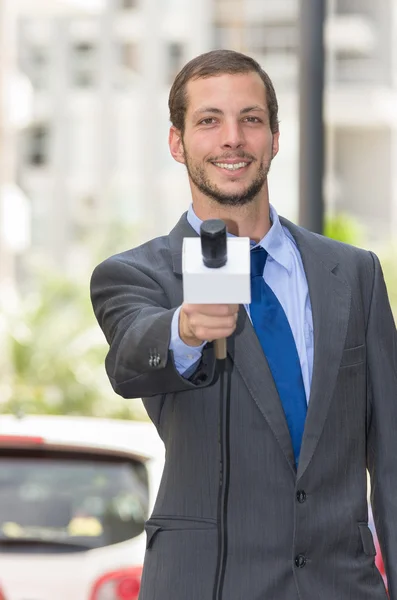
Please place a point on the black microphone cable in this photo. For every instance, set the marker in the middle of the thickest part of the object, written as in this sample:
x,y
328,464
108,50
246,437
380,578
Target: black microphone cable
x,y
214,253
224,473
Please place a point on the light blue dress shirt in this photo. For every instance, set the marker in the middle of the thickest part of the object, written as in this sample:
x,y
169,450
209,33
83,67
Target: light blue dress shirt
x,y
285,274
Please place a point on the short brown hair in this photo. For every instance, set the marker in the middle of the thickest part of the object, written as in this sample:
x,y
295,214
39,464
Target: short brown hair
x,y
211,64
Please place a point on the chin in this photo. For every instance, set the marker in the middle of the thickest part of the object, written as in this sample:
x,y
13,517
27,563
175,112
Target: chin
x,y
234,190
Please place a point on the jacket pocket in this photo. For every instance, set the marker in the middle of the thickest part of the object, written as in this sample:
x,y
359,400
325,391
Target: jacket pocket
x,y
156,524
151,532
353,356
367,539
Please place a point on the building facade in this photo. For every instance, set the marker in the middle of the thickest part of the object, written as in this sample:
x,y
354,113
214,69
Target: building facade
x,y
360,100
96,150
96,153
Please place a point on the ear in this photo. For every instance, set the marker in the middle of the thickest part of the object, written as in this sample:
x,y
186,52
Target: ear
x,y
175,145
275,143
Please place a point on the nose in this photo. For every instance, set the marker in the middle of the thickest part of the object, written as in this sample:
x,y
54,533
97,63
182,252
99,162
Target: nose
x,y
232,135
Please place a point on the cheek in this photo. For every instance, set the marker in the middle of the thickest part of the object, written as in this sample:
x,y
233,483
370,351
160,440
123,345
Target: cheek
x,y
265,148
203,144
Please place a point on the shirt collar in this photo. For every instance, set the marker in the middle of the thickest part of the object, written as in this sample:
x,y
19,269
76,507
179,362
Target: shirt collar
x,y
275,242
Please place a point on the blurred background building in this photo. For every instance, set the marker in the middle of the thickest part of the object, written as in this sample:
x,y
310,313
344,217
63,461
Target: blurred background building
x,y
94,76
361,99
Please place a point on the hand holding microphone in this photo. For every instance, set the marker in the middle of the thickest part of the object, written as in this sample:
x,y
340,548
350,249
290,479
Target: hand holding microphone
x,y
216,280
200,323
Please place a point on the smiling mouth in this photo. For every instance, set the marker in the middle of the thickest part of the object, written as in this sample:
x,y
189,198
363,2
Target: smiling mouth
x,y
231,166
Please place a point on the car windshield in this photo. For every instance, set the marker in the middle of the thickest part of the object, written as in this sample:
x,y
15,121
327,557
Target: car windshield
x,y
71,499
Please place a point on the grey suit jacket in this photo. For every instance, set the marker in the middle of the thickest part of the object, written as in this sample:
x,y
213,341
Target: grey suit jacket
x,y
275,514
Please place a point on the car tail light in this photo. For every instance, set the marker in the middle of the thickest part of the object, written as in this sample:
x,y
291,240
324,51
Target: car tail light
x,y
21,439
2,597
118,585
379,562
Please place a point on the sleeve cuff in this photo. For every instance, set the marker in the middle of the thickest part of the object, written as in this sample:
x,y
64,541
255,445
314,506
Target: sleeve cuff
x,y
184,356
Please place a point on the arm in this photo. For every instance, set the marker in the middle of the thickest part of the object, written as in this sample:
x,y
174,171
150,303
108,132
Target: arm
x,y
134,313
381,443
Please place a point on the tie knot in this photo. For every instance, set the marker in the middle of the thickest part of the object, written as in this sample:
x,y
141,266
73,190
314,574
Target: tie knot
x,y
258,259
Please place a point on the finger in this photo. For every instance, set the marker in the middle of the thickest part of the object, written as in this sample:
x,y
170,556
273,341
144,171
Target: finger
x,y
211,322
213,334
221,310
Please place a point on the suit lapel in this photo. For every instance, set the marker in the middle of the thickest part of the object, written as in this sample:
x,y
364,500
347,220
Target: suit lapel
x,y
330,301
330,298
247,354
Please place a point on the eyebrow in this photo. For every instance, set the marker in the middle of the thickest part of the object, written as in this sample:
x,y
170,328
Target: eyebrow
x,y
218,111
253,108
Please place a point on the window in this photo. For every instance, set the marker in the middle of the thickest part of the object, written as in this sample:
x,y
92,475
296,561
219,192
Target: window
x,y
175,59
59,500
34,63
273,39
128,4
39,67
363,70
129,56
84,56
38,145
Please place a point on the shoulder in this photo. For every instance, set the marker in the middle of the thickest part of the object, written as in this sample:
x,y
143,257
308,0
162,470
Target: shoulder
x,y
328,250
147,259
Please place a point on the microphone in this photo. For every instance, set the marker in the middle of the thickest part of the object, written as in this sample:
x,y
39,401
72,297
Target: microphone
x,y
216,270
214,254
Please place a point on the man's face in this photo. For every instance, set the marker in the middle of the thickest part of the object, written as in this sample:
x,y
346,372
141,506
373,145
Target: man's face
x,y
227,145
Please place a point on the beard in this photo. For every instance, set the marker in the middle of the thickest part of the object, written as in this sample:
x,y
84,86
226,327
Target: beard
x,y
201,180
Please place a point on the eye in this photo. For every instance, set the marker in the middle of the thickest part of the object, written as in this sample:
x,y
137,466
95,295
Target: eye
x,y
253,119
208,121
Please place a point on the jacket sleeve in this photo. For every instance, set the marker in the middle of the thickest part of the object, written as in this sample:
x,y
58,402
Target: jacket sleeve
x,y
134,313
382,430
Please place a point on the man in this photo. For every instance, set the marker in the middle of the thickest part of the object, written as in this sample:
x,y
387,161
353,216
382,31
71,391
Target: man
x,y
305,421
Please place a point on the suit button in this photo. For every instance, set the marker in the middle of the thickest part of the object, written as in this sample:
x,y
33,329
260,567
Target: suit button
x,y
300,561
301,496
154,359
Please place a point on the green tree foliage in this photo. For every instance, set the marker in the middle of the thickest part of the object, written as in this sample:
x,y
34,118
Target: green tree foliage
x,y
56,354
345,228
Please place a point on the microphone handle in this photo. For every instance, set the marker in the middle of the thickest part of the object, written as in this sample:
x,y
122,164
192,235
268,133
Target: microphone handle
x,y
220,349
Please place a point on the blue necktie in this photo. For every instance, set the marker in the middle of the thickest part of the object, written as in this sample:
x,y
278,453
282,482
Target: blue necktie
x,y
278,344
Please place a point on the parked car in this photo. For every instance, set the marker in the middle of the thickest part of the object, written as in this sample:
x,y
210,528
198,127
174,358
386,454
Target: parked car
x,y
74,496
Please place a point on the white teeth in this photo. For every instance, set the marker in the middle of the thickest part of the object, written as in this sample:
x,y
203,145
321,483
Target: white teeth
x,y
230,167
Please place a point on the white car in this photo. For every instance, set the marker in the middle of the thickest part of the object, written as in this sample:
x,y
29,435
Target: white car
x,y
74,496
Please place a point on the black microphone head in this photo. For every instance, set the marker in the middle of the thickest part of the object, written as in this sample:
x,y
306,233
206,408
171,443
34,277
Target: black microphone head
x,y
213,243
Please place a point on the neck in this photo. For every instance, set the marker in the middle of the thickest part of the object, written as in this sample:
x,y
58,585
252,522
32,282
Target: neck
x,y
251,220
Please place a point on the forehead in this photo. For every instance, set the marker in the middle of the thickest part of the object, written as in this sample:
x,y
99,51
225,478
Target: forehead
x,y
226,92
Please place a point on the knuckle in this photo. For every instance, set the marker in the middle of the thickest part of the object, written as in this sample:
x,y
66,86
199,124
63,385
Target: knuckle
x,y
193,321
200,333
231,321
187,309
231,309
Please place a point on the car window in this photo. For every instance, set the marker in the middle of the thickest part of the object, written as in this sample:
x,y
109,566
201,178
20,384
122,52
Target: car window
x,y
60,498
